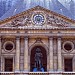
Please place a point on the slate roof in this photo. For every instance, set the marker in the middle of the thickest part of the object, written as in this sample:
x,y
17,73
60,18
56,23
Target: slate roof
x,y
23,5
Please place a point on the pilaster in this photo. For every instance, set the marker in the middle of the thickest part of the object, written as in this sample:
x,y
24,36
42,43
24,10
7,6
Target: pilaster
x,y
26,54
59,55
17,58
73,63
51,54
0,53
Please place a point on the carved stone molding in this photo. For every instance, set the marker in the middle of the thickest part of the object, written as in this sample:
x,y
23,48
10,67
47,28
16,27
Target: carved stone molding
x,y
38,40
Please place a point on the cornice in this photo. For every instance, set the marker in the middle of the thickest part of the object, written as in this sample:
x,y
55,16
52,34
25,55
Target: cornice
x,y
63,28
39,34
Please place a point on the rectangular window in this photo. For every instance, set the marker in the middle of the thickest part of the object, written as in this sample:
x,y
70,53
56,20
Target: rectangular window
x,y
68,64
8,64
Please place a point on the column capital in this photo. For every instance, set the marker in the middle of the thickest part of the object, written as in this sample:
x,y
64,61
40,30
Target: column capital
x,y
0,37
26,37
50,38
18,37
59,38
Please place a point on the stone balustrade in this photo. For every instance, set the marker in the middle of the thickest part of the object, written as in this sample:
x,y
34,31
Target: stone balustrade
x,y
37,73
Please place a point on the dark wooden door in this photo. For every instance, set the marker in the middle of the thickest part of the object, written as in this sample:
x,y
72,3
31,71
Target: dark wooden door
x,y
8,64
68,64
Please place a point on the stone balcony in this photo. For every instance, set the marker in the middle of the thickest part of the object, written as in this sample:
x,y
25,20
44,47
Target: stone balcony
x,y
37,73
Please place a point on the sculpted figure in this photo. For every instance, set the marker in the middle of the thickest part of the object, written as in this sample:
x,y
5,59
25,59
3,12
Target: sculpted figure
x,y
38,59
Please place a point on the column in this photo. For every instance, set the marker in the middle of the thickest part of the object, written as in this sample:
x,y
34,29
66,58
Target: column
x,y
51,54
59,55
26,54
17,58
1,63
73,62
0,53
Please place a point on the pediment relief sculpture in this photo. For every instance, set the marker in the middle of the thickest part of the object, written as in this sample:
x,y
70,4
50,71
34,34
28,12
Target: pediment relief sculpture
x,y
40,19
53,20
23,21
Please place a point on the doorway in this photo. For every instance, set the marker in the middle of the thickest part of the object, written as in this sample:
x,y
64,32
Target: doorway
x,y
68,65
8,64
43,60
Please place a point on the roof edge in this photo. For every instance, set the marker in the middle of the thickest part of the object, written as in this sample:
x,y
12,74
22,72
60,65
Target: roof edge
x,y
25,12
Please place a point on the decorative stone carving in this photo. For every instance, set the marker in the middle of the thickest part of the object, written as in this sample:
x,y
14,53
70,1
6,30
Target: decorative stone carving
x,y
38,40
27,20
68,46
8,46
23,21
53,20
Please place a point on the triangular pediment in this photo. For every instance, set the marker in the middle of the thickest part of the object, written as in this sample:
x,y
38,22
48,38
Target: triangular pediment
x,y
26,20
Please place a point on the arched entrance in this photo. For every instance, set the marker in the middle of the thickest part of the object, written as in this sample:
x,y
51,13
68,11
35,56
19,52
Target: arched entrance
x,y
43,58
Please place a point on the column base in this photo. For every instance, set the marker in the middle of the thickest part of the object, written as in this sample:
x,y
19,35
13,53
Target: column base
x,y
25,71
51,70
17,71
60,70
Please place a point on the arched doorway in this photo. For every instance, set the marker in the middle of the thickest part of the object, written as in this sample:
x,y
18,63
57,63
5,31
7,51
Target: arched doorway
x,y
44,58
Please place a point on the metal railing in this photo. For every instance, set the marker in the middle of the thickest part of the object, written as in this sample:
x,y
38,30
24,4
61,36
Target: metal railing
x,y
37,73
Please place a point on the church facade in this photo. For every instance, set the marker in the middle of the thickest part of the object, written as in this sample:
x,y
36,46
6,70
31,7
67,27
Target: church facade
x,y
37,41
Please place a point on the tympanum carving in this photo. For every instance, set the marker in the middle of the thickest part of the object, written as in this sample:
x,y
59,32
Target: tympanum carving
x,y
23,21
53,20
50,20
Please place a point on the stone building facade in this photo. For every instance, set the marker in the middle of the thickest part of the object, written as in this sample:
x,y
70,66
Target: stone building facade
x,y
22,34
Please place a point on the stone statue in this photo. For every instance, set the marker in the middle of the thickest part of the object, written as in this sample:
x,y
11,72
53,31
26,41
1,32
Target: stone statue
x,y
38,59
